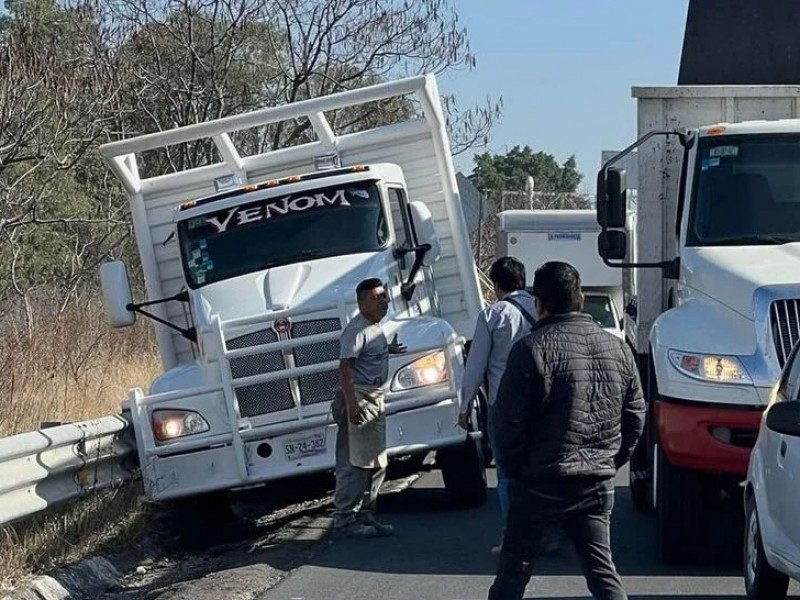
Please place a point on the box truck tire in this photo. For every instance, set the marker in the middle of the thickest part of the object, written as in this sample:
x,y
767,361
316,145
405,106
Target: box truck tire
x,y
681,511
463,473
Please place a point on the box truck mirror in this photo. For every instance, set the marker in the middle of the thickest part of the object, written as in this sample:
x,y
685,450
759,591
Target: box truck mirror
x,y
117,294
612,245
612,204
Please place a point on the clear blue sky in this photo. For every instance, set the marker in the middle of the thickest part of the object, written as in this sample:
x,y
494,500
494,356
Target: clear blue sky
x,y
565,69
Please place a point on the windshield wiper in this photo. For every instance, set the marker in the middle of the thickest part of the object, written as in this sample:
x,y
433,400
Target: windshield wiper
x,y
285,260
764,239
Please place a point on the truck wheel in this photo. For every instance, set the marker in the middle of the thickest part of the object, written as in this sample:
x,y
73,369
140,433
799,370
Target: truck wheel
x,y
640,478
761,581
680,506
464,473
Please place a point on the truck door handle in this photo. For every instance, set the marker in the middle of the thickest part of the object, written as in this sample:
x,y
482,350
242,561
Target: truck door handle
x,y
783,448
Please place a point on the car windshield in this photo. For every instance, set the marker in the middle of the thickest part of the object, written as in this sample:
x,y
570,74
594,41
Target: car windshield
x,y
599,307
747,191
317,223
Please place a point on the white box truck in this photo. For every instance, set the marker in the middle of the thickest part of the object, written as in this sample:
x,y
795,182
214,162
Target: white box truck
x,y
718,288
537,236
250,266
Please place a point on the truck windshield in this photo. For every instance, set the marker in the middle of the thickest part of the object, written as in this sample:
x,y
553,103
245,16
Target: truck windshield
x,y
747,191
599,308
284,229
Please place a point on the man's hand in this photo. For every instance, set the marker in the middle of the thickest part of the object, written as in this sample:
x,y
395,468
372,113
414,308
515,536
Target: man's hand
x,y
462,420
354,414
396,347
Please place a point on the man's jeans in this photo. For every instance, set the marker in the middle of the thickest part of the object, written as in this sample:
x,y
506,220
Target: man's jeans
x,y
583,507
502,482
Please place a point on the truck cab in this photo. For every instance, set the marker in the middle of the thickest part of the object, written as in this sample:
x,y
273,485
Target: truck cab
x,y
724,316
251,267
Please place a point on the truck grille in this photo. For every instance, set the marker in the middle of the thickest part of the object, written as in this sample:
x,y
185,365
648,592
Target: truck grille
x,y
274,396
784,319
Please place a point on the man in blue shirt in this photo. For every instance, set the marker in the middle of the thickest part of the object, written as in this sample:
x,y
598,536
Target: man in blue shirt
x,y
498,328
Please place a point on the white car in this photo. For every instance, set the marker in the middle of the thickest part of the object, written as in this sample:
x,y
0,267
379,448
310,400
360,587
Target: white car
x,y
772,506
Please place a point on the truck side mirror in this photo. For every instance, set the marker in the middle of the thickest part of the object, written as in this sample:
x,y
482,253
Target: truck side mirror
x,y
117,295
425,230
612,202
612,245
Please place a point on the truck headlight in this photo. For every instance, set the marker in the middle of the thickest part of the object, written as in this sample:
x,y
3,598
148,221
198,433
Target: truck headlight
x,y
710,367
427,370
171,424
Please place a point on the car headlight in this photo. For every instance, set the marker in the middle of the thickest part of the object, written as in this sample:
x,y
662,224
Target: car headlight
x,y
427,370
724,369
171,424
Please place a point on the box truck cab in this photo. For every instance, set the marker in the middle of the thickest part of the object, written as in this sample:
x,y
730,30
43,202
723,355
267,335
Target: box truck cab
x,y
251,266
536,236
718,295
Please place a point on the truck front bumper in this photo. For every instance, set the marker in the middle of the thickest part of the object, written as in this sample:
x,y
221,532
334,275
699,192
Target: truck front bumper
x,y
715,439
305,451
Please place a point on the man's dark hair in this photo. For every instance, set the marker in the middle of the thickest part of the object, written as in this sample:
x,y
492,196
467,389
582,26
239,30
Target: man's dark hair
x,y
557,285
508,274
367,285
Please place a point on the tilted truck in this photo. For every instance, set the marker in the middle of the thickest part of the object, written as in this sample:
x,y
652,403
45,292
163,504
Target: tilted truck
x,y
717,301
537,236
250,266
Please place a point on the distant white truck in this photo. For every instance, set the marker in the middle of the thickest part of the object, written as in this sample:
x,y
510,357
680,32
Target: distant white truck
x,y
537,236
250,266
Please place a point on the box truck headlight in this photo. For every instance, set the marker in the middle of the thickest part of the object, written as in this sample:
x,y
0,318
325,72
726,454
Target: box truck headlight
x,y
171,424
725,369
428,370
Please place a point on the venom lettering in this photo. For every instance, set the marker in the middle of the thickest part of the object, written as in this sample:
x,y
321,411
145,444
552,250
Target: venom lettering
x,y
240,216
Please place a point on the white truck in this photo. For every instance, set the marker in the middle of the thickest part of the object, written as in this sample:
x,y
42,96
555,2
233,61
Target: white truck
x,y
537,236
250,267
717,306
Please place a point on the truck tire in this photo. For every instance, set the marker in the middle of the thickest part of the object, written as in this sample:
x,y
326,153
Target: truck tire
x,y
680,510
761,581
464,473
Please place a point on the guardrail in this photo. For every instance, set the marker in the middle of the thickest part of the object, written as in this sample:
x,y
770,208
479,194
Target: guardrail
x,y
54,465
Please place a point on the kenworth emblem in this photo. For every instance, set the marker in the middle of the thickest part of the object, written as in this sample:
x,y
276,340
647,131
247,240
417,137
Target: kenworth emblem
x,y
282,327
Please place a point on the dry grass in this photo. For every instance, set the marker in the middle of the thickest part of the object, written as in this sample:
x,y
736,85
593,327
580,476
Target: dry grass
x,y
68,366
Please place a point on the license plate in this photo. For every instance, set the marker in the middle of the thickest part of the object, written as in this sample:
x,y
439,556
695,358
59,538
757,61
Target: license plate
x,y
309,445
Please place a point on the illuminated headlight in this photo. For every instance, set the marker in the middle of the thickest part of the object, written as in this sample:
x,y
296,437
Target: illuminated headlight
x,y
428,370
171,424
725,369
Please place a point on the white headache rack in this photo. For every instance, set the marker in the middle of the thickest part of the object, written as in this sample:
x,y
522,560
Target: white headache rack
x,y
418,145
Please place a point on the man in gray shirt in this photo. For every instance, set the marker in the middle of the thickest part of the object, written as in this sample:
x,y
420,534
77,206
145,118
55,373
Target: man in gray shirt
x,y
498,328
359,412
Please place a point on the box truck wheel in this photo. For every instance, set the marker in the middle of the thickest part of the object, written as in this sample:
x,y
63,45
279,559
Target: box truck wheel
x,y
681,508
463,472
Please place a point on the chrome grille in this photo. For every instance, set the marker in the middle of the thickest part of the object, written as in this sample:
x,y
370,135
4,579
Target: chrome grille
x,y
261,398
274,396
317,387
784,320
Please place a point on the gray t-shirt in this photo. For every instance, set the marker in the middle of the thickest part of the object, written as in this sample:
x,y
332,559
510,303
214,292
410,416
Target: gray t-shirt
x,y
367,344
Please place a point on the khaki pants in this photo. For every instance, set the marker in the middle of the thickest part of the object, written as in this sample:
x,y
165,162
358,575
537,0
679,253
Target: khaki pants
x,y
357,487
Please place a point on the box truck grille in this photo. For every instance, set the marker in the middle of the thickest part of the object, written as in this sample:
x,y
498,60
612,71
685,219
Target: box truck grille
x,y
274,396
784,319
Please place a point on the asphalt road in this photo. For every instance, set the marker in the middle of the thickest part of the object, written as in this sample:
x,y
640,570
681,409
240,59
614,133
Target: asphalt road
x,y
443,554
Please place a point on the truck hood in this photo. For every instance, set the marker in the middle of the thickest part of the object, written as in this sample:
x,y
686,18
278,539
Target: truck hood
x,y
730,275
308,285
